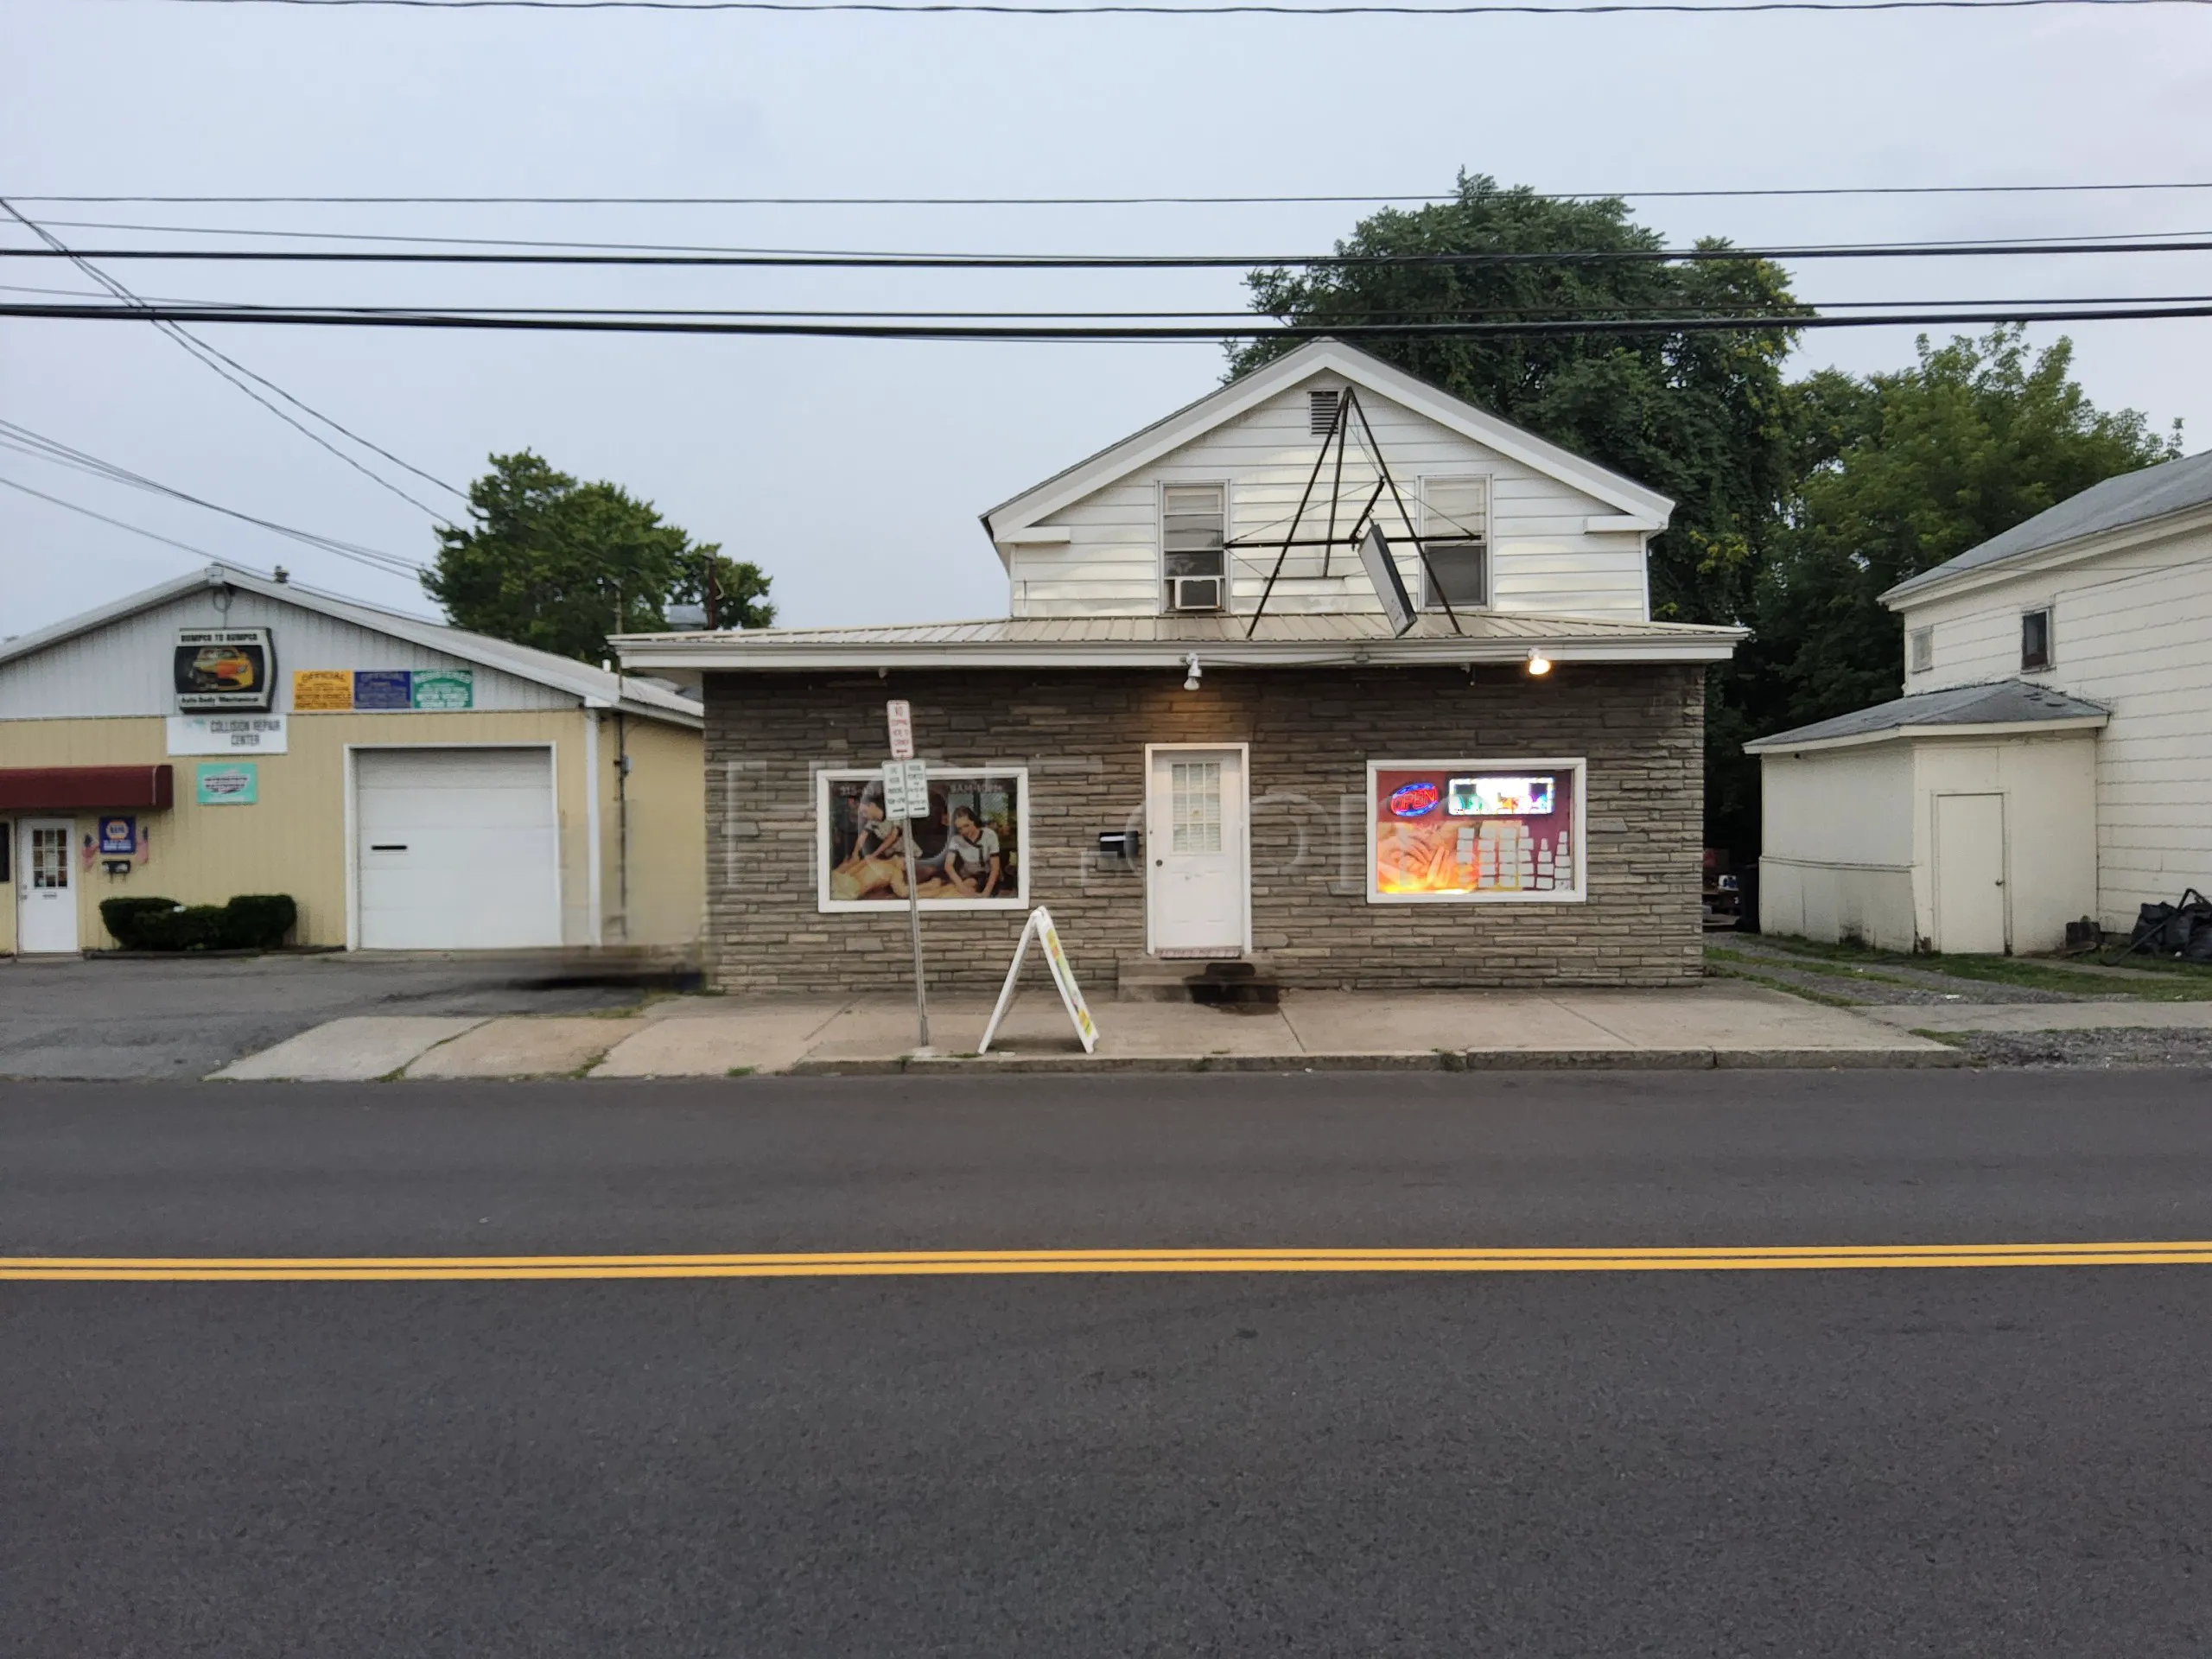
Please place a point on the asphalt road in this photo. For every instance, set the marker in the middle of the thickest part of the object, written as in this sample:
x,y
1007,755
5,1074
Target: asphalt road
x,y
186,1016
1894,1462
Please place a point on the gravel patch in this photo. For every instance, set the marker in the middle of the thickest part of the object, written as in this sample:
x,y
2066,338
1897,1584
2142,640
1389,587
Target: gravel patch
x,y
2094,1049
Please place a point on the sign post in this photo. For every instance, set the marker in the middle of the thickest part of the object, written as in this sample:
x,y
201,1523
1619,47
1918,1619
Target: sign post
x,y
906,797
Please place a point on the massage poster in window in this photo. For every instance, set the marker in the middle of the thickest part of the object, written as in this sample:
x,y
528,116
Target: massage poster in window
x,y
969,847
1509,830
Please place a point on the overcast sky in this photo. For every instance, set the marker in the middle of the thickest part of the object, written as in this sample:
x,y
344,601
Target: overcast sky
x,y
854,471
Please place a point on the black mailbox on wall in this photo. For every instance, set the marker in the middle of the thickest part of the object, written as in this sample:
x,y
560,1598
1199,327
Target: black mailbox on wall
x,y
1127,845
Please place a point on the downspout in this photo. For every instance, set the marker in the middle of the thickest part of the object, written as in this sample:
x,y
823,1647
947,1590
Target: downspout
x,y
622,822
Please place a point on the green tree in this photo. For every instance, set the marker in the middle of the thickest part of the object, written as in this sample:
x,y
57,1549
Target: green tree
x,y
1701,416
1900,472
551,563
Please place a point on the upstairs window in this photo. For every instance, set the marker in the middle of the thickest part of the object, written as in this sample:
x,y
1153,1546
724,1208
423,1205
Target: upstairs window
x,y
1194,525
2035,640
1455,537
1920,651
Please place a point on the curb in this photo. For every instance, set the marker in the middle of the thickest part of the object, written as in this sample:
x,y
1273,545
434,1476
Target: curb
x,y
1486,1059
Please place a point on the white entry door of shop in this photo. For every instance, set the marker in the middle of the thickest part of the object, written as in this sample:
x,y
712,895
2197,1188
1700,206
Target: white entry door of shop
x,y
457,848
1970,874
1195,833
46,893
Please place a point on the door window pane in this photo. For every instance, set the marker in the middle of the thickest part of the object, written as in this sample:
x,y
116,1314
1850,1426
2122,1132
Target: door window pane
x,y
1194,799
49,858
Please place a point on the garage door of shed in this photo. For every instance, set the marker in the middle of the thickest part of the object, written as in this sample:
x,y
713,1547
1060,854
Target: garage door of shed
x,y
456,849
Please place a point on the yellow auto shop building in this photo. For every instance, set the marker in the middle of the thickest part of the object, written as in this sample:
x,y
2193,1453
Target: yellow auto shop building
x,y
411,786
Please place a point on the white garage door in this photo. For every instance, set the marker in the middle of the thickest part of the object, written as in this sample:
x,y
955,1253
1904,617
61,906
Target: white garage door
x,y
456,849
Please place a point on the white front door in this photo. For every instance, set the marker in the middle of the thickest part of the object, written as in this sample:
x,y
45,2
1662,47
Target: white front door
x,y
1195,835
46,889
459,848
1970,874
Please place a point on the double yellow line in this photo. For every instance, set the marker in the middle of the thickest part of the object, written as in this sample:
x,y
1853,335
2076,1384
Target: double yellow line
x,y
937,1263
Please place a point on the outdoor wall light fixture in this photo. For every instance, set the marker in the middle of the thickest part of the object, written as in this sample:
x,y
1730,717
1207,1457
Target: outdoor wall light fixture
x,y
1538,663
1190,679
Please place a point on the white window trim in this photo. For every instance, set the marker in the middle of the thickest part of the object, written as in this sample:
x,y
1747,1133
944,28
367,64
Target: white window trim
x,y
1579,893
1428,601
1160,487
1019,900
2049,614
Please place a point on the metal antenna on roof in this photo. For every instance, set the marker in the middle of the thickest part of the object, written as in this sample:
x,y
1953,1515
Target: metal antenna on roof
x,y
1336,437
1421,545
1348,405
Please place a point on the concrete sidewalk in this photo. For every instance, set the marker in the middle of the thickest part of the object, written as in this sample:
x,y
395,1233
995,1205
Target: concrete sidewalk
x,y
1719,1024
2100,1015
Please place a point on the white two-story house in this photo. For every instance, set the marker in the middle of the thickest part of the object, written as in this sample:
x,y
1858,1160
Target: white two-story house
x,y
2050,761
1328,673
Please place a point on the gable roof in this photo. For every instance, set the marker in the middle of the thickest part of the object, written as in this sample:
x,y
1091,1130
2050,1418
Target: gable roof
x,y
580,680
1951,712
1225,404
2154,493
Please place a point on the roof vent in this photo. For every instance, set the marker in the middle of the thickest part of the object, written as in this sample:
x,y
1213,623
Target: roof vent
x,y
1321,411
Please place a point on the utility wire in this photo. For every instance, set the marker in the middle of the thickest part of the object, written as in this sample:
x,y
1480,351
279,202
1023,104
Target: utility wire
x,y
856,259
1661,324
1071,314
1099,201
1602,8
224,365
2086,237
24,441
135,530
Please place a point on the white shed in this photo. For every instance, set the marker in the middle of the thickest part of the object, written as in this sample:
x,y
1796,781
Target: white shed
x,y
1961,821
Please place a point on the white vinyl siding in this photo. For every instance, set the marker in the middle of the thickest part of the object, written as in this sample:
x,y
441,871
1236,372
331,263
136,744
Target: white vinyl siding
x,y
2128,631
1544,557
126,668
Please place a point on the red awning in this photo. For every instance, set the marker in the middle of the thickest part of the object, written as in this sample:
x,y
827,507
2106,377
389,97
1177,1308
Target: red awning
x,y
32,788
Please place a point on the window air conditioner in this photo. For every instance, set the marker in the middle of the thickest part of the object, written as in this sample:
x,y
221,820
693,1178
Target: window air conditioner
x,y
1196,593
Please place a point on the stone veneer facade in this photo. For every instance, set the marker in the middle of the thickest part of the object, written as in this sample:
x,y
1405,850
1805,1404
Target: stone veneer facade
x,y
1081,734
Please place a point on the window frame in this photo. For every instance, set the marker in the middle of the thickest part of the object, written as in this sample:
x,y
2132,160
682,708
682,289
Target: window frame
x,y
1429,600
2049,639
1160,591
1920,649
1576,766
825,905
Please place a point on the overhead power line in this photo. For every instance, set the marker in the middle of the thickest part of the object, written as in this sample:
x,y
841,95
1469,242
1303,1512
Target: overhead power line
x,y
135,530
1207,8
229,368
575,323
24,441
1101,201
2100,238
836,259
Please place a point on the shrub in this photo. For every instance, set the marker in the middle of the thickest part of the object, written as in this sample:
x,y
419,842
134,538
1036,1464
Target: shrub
x,y
253,921
259,921
123,916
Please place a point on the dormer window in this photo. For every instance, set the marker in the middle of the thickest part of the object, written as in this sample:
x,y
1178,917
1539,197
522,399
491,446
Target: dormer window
x,y
1455,543
1194,525
1321,411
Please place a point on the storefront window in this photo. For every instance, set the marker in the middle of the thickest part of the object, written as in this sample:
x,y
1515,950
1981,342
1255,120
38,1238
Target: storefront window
x,y
1475,831
970,851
